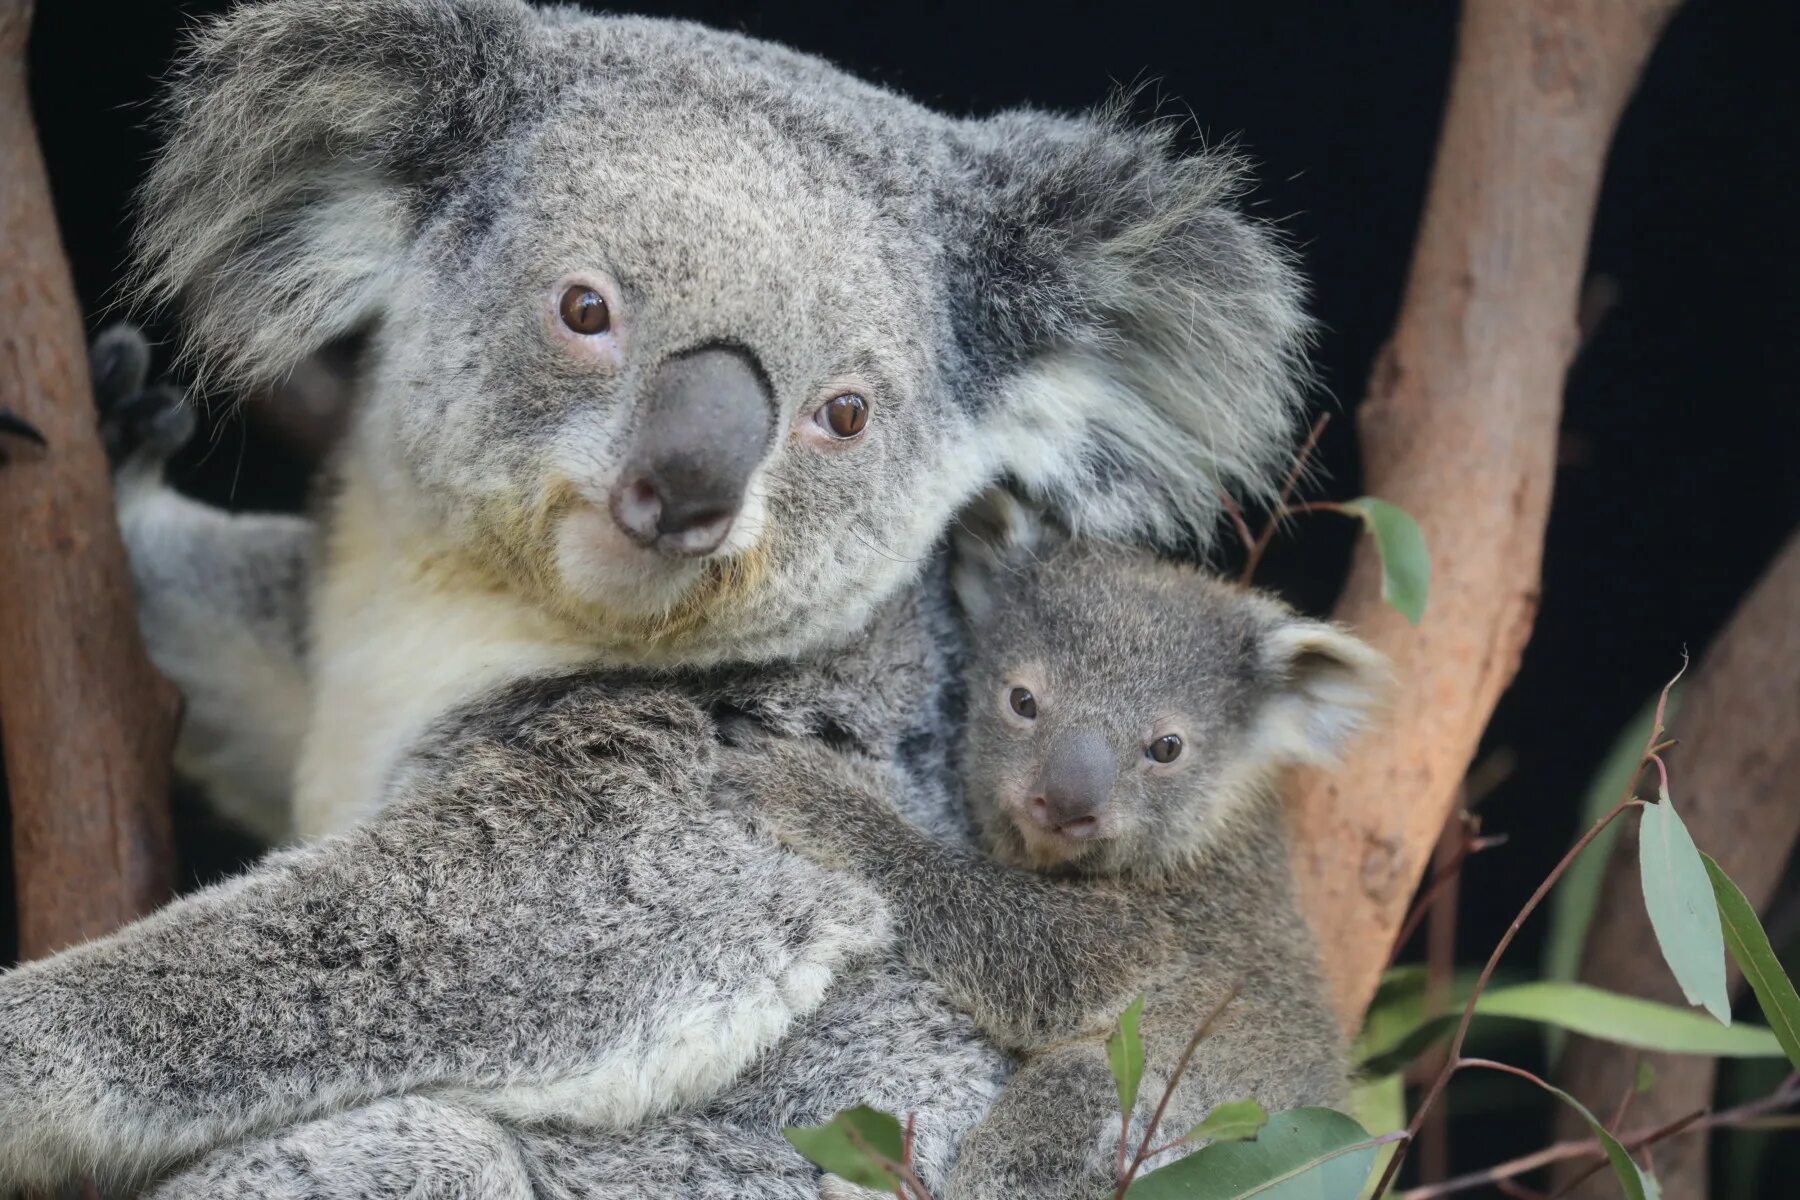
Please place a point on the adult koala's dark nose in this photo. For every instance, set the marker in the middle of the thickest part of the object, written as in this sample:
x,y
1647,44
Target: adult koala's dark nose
x,y
707,420
1074,784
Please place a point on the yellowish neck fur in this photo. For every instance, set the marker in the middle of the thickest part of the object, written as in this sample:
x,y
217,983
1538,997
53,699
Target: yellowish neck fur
x,y
403,631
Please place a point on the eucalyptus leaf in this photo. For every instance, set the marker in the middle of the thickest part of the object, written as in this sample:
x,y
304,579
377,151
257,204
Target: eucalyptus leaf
x,y
1577,894
1232,1121
861,1145
1571,1007
1628,1020
1125,1055
1756,959
1638,1183
1379,1106
1301,1154
1684,912
1405,562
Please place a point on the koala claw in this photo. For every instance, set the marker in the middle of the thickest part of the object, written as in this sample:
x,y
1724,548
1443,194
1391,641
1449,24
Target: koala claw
x,y
139,421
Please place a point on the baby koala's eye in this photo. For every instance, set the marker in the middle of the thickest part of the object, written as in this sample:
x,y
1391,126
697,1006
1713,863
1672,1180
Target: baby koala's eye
x,y
844,415
584,310
1023,703
1165,749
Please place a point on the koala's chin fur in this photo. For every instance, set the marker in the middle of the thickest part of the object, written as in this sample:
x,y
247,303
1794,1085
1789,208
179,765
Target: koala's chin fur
x,y
1061,303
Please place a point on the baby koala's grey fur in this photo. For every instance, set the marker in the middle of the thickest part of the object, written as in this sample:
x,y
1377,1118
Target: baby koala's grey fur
x,y
521,938
1184,893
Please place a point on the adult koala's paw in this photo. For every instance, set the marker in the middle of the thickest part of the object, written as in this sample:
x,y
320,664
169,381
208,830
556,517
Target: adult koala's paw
x,y
141,424
585,727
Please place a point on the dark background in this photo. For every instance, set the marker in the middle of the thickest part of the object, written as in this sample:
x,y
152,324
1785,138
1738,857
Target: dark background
x,y
1678,478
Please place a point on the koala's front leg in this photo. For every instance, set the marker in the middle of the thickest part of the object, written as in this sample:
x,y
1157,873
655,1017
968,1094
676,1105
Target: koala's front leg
x,y
1033,959
552,921
221,598
428,1148
401,1148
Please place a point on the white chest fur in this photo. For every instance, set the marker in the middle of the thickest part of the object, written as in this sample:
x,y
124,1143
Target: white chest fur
x,y
398,640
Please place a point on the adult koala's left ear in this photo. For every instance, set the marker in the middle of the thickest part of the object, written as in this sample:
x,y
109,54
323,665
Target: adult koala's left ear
x,y
1138,344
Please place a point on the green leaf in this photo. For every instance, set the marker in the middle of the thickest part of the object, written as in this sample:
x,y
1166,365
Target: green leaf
x,y
1301,1154
1396,1033
1683,910
1125,1054
1638,1183
1232,1121
1379,1106
1756,959
1405,563
1628,1020
859,1144
1646,1075
1577,894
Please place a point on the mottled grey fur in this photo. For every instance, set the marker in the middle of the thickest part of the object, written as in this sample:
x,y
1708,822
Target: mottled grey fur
x,y
533,924
1183,895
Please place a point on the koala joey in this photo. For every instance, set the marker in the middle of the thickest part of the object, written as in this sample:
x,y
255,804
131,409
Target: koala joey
x,y
678,354
1126,720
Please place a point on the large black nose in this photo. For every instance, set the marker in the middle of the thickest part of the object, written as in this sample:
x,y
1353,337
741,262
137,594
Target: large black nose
x,y
708,417
1074,784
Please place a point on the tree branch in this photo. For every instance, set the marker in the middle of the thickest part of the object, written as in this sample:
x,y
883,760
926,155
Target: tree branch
x,y
1460,429
86,720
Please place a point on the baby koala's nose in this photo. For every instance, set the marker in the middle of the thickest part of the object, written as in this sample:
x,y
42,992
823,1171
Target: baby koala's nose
x,y
1074,785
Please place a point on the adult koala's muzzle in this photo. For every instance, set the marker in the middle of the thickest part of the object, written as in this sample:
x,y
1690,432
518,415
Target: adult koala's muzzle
x,y
707,422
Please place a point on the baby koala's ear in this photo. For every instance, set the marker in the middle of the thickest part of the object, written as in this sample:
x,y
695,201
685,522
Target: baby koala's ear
x,y
1324,686
995,538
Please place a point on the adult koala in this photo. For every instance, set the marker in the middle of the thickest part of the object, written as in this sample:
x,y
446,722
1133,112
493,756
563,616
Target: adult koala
x,y
682,352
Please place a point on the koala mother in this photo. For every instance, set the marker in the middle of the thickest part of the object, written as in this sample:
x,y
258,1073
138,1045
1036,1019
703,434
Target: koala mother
x,y
681,353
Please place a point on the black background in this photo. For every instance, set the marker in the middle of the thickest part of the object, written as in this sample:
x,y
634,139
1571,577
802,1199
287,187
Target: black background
x,y
1678,478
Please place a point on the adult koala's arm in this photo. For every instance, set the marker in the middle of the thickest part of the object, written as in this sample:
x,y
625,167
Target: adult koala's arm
x,y
221,598
544,922
1033,959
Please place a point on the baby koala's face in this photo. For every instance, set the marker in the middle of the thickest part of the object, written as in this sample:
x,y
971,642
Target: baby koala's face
x,y
1122,709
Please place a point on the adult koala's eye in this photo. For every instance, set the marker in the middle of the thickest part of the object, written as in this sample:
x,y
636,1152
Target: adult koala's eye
x,y
1021,701
844,415
584,310
1165,749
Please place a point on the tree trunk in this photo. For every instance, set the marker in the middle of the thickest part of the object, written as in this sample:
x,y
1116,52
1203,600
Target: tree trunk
x,y
1459,429
86,722
1732,779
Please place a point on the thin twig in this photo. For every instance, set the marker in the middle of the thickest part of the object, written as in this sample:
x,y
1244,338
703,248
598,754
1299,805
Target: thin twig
x,y
1237,521
1204,1028
1261,543
1744,1116
1439,882
1440,965
1631,1090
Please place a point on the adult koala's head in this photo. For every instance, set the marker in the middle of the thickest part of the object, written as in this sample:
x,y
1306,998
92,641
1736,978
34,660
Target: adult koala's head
x,y
696,342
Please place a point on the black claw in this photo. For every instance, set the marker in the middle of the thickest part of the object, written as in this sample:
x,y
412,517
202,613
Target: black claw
x,y
14,426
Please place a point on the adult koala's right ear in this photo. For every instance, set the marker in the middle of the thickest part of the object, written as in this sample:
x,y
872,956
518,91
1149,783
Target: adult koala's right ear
x,y
308,140
1138,343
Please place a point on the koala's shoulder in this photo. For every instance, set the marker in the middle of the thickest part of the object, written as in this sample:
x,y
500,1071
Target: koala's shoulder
x,y
890,683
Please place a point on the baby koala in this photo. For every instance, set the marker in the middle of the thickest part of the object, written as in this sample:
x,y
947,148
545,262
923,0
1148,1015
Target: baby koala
x,y
1127,719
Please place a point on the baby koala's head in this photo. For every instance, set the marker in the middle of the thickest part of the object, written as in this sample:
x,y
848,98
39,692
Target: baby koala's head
x,y
1123,709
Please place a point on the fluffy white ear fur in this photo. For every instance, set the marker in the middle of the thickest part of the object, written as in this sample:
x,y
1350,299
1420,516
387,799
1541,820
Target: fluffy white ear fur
x,y
996,535
1327,686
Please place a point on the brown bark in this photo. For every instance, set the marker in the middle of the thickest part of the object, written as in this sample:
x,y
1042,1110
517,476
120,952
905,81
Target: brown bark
x,y
1732,780
1459,429
85,720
